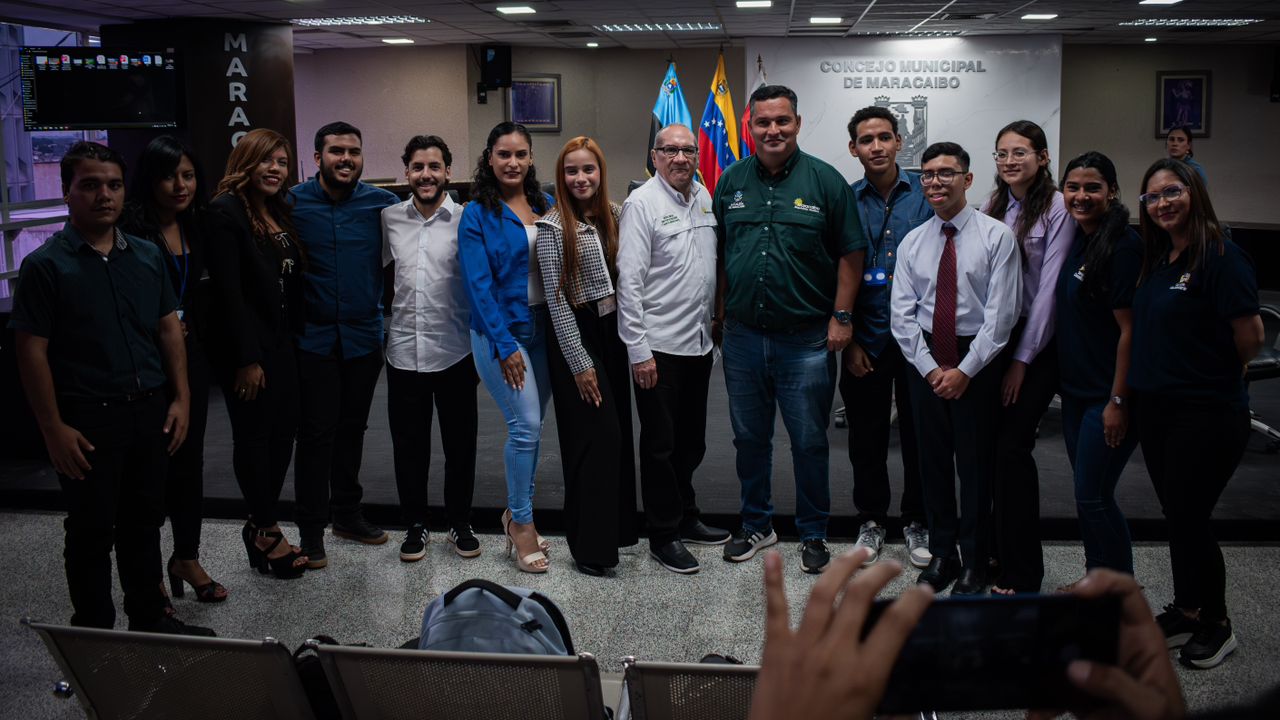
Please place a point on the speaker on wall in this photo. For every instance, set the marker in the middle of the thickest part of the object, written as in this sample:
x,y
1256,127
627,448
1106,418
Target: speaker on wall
x,y
495,66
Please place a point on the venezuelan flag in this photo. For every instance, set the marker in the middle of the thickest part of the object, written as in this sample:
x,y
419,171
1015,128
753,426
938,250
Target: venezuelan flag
x,y
670,108
717,133
749,142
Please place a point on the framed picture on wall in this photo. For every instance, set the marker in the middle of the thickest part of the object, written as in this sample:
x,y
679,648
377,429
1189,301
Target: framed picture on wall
x,y
534,101
1183,99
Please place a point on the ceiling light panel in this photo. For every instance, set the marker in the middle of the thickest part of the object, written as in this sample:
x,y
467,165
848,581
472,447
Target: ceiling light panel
x,y
1190,22
659,27
361,20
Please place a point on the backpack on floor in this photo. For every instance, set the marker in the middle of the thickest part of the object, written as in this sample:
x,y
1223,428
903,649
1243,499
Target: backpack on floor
x,y
483,616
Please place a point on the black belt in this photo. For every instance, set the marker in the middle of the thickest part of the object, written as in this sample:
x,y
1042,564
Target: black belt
x,y
125,399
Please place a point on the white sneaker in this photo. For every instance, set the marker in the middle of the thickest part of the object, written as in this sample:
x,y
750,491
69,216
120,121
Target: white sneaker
x,y
917,536
871,537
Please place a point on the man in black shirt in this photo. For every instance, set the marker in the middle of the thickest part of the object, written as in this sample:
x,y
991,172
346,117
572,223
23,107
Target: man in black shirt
x,y
97,335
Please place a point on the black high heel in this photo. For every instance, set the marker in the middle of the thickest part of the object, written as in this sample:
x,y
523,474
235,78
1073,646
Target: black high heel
x,y
207,593
282,567
250,549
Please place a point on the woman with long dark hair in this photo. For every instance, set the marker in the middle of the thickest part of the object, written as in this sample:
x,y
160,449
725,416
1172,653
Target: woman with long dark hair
x,y
167,205
1095,335
590,370
509,317
256,263
1026,199
1178,144
1195,327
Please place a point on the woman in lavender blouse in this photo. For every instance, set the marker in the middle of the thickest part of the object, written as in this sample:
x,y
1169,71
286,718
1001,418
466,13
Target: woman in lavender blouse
x,y
1027,200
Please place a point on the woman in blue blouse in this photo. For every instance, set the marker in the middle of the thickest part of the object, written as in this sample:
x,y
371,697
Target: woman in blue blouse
x,y
509,318
1195,326
1095,330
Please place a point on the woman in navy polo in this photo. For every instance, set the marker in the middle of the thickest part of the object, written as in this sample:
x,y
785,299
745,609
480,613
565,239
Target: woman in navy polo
x,y
1095,333
496,251
1195,326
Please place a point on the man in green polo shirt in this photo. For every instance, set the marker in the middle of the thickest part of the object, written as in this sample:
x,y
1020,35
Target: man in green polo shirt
x,y
791,249
97,336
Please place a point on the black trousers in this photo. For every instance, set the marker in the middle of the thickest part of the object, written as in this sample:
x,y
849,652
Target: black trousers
x,y
410,396
867,401
958,438
336,395
595,443
1015,488
673,430
1192,450
262,432
120,504
184,488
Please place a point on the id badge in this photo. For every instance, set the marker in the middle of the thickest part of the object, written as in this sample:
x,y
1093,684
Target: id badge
x,y
607,305
875,277
181,314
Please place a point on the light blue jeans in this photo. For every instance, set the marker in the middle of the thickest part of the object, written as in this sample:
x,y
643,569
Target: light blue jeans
x,y
524,410
791,372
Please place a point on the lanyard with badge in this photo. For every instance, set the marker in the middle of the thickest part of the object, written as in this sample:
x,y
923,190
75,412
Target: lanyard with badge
x,y
183,267
876,275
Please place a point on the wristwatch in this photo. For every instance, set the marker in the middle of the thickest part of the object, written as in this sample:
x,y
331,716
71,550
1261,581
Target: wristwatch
x,y
844,317
1117,400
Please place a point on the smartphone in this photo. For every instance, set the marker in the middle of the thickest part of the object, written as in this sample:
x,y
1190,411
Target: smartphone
x,y
990,653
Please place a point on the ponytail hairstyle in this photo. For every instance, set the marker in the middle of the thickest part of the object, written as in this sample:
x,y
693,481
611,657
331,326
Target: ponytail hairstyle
x,y
484,186
596,212
1039,196
1101,245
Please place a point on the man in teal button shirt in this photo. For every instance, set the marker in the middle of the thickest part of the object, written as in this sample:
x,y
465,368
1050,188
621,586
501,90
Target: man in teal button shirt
x,y
339,222
791,261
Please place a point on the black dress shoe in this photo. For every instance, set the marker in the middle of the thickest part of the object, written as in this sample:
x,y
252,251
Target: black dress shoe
x,y
675,557
971,582
696,532
592,569
170,625
940,573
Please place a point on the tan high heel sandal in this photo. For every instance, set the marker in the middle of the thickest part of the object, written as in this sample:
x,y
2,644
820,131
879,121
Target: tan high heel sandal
x,y
543,543
535,562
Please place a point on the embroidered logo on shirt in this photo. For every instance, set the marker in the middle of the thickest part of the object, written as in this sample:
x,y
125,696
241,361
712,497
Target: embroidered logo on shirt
x,y
1080,273
669,220
800,205
1182,282
737,203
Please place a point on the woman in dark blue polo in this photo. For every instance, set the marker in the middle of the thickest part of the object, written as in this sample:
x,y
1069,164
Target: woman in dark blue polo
x,y
1095,332
496,251
1195,326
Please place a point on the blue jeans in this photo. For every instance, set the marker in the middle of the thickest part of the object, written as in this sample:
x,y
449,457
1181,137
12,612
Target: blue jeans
x,y
524,410
1097,469
794,373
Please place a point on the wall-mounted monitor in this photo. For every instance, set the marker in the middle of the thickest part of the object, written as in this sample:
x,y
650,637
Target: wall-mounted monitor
x,y
88,88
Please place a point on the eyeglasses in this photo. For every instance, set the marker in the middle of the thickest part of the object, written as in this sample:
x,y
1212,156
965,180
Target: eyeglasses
x,y
1019,154
944,176
1170,193
670,151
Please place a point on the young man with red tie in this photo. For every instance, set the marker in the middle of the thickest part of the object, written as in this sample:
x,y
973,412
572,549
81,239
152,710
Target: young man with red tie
x,y
955,299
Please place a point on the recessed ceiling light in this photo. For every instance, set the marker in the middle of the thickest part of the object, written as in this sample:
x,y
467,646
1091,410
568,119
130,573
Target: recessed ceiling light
x,y
825,20
516,10
658,27
755,3
593,44
397,41
1160,2
362,20
1039,16
909,33
1148,39
1191,22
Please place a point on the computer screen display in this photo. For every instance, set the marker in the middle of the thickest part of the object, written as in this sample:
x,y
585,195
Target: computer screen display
x,y
88,88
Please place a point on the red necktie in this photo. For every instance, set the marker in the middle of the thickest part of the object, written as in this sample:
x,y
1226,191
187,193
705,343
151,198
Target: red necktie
x,y
944,304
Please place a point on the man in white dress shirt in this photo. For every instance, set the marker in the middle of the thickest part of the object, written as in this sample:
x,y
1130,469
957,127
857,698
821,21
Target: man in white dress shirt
x,y
429,349
955,300
666,294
